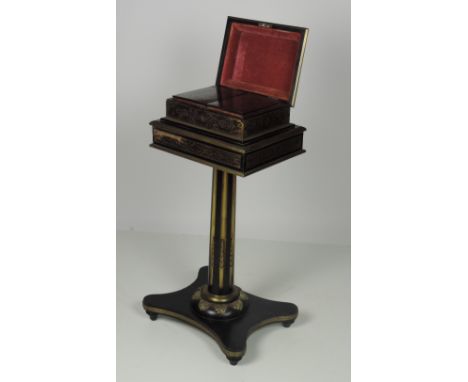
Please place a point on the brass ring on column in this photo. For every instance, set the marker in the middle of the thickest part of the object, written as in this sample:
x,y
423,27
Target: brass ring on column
x,y
219,306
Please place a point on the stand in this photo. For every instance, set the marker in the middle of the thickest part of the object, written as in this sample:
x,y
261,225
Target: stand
x,y
212,302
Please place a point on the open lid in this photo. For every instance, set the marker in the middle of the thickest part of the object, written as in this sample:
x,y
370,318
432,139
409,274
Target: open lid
x,y
263,58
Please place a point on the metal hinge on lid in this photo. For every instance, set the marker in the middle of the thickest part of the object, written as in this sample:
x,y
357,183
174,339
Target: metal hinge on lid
x,y
264,25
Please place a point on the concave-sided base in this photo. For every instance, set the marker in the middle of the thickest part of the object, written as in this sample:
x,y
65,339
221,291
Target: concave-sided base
x,y
230,334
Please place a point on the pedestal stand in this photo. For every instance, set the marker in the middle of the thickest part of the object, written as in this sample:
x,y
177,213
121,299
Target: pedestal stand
x,y
212,302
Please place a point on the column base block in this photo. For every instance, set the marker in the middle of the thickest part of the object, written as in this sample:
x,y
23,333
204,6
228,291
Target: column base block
x,y
230,333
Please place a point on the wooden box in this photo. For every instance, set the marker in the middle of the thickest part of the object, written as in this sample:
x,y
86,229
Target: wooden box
x,y
240,159
230,113
242,123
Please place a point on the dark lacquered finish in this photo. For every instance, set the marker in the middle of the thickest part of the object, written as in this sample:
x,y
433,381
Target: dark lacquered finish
x,y
237,133
237,158
205,96
231,335
213,303
228,113
233,101
222,233
218,122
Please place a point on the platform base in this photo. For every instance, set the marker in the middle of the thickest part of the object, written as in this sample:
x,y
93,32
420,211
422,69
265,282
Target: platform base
x,y
230,334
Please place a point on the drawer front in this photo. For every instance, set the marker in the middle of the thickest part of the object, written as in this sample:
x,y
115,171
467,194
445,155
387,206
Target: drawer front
x,y
197,148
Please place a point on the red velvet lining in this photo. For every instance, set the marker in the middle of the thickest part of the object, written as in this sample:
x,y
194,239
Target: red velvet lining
x,y
261,60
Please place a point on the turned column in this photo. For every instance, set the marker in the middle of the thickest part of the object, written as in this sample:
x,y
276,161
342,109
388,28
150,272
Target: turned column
x,y
222,233
219,297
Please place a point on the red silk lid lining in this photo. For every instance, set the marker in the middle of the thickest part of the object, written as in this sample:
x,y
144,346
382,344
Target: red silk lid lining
x,y
261,60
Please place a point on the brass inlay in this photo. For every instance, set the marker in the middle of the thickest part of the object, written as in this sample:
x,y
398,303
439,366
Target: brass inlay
x,y
164,134
239,124
203,305
220,306
207,139
212,251
214,191
197,295
272,321
226,351
221,237
219,298
223,233
222,256
299,67
238,304
226,168
233,230
199,159
231,263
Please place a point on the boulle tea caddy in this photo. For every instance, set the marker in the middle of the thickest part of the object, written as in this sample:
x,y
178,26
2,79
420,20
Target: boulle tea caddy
x,y
238,126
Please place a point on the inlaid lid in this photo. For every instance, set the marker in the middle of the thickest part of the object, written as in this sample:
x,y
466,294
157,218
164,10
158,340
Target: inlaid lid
x,y
261,57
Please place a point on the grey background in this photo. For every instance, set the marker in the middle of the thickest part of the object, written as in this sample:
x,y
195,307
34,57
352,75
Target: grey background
x,y
164,48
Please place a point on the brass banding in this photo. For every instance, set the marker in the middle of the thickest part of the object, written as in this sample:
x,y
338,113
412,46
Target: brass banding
x,y
213,227
219,306
226,351
223,231
212,334
218,298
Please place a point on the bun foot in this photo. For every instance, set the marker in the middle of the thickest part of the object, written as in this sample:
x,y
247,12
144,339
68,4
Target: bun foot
x,y
152,316
287,324
233,361
230,333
